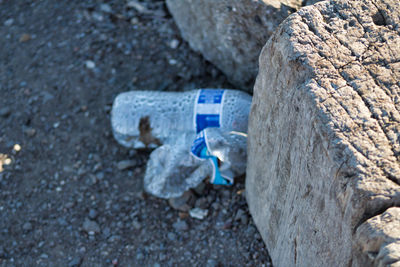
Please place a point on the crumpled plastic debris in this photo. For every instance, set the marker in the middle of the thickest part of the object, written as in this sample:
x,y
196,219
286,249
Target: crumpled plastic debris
x,y
197,135
173,168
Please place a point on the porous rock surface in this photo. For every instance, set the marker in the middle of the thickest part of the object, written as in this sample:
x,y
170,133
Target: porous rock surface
x,y
379,239
231,33
323,148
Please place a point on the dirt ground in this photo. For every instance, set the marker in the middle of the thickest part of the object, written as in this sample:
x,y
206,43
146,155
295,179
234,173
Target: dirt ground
x,y
65,200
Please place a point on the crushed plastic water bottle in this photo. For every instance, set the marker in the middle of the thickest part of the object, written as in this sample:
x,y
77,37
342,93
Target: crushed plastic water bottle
x,y
197,135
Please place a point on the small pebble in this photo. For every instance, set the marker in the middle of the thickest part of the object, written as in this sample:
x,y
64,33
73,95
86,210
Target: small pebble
x,y
91,227
90,64
162,257
75,262
182,203
200,189
171,236
239,214
136,225
8,22
100,175
27,226
174,43
180,226
114,238
92,214
106,232
201,203
30,132
69,205
5,112
125,164
183,215
138,6
211,263
139,256
227,224
62,222
97,167
198,213
24,38
44,256
17,148
216,206
97,16
134,20
105,8
172,61
244,219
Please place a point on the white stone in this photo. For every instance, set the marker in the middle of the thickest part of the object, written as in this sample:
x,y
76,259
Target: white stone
x,y
198,213
90,64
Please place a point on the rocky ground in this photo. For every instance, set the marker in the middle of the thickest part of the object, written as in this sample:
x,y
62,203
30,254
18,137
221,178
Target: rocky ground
x,y
69,194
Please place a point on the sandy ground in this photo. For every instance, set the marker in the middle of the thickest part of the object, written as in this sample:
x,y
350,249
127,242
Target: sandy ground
x,y
65,200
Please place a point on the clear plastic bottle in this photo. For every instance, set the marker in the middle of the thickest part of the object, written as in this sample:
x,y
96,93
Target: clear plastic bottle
x,y
149,119
197,134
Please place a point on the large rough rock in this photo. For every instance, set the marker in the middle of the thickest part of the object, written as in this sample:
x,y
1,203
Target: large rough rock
x,y
231,33
378,239
324,136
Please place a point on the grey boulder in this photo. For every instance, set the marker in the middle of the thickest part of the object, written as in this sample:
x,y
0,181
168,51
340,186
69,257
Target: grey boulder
x,y
231,33
323,165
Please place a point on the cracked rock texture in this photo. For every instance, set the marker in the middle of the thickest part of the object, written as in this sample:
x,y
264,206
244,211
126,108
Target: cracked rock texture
x,y
231,33
378,239
323,148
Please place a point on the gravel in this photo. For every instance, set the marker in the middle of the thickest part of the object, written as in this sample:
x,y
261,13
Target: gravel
x,y
66,198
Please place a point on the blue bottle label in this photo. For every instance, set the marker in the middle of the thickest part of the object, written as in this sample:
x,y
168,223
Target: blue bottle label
x,y
208,108
200,150
207,114
199,146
